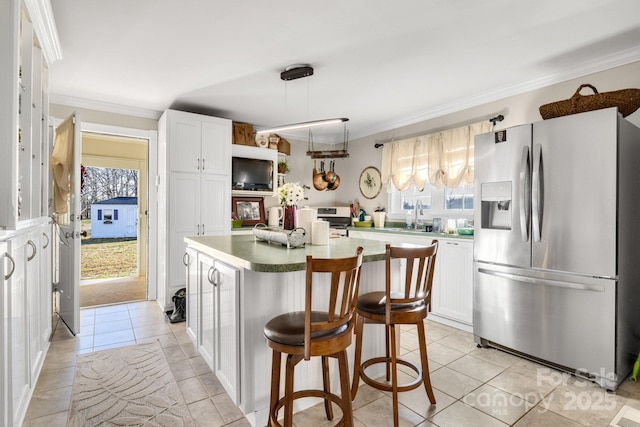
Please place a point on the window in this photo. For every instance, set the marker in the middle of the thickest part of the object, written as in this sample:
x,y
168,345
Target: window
x,y
107,216
460,198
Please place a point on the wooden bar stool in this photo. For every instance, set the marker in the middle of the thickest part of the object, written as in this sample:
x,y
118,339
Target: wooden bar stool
x,y
408,306
308,333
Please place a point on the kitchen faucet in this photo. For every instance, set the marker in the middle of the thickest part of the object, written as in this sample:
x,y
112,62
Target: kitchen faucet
x,y
415,216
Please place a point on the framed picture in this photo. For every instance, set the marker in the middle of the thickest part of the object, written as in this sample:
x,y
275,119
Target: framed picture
x,y
370,182
249,209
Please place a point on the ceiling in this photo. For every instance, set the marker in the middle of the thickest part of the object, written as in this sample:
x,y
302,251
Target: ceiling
x,y
383,64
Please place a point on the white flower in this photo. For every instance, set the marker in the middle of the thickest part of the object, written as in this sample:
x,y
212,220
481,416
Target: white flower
x,y
290,194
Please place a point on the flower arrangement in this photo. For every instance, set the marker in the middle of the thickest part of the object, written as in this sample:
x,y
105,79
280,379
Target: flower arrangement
x,y
290,194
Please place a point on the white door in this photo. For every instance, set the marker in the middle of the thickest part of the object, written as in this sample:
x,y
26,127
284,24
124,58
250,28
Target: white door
x,y
65,165
131,222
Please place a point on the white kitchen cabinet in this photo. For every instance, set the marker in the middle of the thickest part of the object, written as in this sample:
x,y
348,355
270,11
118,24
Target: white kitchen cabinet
x,y
18,339
453,281
452,292
191,263
194,189
7,267
23,115
218,328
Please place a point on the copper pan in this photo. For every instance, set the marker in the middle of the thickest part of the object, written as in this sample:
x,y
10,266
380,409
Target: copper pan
x,y
319,182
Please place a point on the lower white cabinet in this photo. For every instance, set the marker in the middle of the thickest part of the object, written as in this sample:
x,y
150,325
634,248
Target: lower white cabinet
x,y
215,319
452,298
190,260
19,368
453,281
25,272
7,266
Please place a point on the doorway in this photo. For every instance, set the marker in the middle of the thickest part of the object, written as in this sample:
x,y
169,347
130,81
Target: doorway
x,y
114,222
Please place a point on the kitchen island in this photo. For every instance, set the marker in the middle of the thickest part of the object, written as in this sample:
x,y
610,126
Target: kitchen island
x,y
235,284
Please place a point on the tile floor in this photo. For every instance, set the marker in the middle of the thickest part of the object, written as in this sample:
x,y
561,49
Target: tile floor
x,y
473,387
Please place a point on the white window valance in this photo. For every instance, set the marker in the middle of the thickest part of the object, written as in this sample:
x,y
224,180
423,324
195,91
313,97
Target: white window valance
x,y
443,159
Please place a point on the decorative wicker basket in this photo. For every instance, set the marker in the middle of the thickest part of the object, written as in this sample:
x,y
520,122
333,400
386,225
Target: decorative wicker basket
x,y
627,101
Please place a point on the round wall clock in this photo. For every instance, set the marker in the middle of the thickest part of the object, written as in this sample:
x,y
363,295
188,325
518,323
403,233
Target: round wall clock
x,y
370,182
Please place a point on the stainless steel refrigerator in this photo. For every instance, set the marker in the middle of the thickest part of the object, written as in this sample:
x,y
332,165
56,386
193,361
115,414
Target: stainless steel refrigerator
x,y
556,247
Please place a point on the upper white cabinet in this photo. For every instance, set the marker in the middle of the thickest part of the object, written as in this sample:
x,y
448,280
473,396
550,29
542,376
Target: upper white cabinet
x,y
194,189
23,112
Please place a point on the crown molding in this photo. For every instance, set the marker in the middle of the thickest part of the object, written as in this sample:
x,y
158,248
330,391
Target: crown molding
x,y
107,107
44,24
600,64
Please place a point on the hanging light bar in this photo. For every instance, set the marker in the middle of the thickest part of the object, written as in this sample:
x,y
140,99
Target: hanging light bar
x,y
304,125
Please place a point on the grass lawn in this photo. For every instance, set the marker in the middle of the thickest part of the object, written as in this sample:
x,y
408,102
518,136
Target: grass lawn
x,y
104,258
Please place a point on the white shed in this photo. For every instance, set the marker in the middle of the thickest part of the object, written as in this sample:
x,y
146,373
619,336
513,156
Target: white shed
x,y
114,218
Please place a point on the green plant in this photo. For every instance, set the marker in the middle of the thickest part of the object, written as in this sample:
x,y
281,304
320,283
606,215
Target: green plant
x,y
283,166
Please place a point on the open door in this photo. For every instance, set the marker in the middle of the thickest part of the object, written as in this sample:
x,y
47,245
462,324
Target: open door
x,y
65,168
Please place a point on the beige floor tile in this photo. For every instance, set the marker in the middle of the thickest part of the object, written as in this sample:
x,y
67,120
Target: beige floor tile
x,y
418,401
211,384
380,413
101,340
110,346
366,394
476,368
316,417
192,390
182,370
110,309
110,317
58,419
205,414
498,403
540,417
442,354
113,326
55,378
525,387
199,365
497,357
227,409
151,331
453,383
434,334
462,343
586,405
461,415
47,402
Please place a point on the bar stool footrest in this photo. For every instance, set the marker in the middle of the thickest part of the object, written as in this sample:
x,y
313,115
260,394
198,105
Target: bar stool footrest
x,y
388,387
307,393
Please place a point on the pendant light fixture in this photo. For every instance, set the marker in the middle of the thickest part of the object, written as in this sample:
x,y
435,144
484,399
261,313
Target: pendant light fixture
x,y
294,72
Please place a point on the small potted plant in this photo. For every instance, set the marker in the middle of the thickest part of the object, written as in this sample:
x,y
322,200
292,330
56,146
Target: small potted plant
x,y
283,167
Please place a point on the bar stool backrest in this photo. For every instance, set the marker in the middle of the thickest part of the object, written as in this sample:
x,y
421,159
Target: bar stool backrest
x,y
343,298
418,278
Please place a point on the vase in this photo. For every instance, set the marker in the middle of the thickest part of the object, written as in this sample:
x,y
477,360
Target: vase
x,y
289,218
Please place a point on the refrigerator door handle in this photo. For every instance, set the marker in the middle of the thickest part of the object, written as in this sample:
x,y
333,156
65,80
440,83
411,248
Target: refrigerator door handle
x,y
537,193
549,282
525,193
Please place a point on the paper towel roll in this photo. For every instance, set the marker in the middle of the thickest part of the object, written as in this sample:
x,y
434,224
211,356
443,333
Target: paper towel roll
x,y
320,233
306,216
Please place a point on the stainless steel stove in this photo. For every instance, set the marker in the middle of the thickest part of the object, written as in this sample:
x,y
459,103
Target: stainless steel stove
x,y
339,218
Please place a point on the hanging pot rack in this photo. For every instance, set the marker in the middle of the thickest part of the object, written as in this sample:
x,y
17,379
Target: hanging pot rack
x,y
329,154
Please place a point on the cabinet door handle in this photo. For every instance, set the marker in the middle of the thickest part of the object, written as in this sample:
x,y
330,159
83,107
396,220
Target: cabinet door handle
x,y
46,244
452,243
211,275
203,229
198,232
13,266
185,259
35,250
203,164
